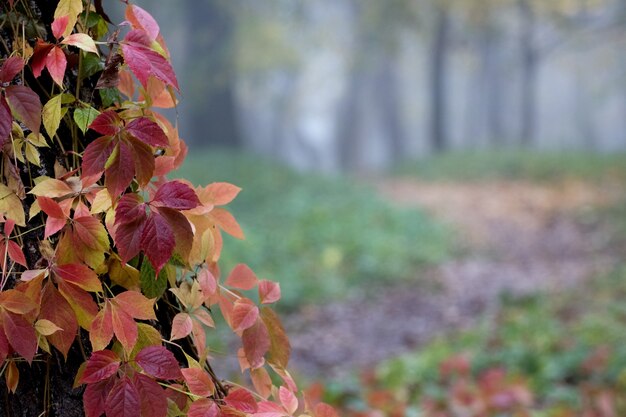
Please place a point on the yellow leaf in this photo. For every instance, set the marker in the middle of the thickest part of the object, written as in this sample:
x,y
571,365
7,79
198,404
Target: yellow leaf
x,y
52,115
38,140
11,206
32,154
70,8
46,327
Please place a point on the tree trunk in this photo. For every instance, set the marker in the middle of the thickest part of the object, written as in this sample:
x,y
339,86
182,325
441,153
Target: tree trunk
x,y
438,77
389,106
210,112
529,64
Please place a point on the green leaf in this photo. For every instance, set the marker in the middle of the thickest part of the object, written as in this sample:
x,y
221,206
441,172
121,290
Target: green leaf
x,y
92,64
109,96
52,115
84,116
150,286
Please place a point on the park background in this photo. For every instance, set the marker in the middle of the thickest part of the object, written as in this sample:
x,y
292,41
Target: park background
x,y
437,185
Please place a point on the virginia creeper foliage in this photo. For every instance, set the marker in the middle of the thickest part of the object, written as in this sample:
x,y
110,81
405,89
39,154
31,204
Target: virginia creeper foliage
x,y
118,244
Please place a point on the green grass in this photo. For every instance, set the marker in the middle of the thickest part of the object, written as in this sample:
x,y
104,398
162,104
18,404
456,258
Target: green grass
x,y
516,164
320,237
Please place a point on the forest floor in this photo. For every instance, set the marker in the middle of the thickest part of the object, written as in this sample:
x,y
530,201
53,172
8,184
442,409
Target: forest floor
x,y
514,238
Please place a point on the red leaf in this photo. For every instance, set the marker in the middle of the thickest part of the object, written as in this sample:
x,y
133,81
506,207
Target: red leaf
x,y
11,67
124,327
58,311
56,64
136,305
95,397
140,19
242,277
51,208
157,241
82,303
80,276
130,217
158,362
244,315
256,343
153,399
181,326
6,121
20,334
96,155
16,254
123,400
242,400
176,195
144,161
101,365
59,25
269,291
107,123
144,62
120,169
16,302
148,132
38,61
203,407
183,233
4,344
25,105
198,381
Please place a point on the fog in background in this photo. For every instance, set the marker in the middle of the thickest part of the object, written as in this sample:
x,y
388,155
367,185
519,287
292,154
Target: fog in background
x,y
359,85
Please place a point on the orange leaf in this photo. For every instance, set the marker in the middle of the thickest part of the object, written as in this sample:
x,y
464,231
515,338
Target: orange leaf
x,y
181,326
244,315
198,381
136,305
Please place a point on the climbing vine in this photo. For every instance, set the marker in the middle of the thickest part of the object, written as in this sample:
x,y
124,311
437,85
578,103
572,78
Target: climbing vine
x,y
100,250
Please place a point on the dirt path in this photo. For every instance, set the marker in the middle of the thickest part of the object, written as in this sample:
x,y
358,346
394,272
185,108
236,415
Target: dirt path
x,y
517,238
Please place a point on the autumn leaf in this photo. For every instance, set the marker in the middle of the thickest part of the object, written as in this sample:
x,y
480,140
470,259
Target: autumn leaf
x,y
244,315
25,106
100,365
152,396
84,116
52,115
82,41
198,381
181,326
269,291
10,68
141,19
123,400
242,277
256,343
143,61
158,362
71,9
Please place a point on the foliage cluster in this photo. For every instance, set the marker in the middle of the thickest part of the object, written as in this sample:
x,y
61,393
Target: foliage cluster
x,y
330,233
545,355
100,249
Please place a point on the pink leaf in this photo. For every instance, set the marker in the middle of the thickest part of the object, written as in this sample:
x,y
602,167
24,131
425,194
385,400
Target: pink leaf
x,y
269,291
123,400
242,278
204,407
144,62
158,362
140,19
25,105
101,365
242,400
288,400
181,326
198,381
82,41
256,343
244,315
148,132
56,64
59,25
